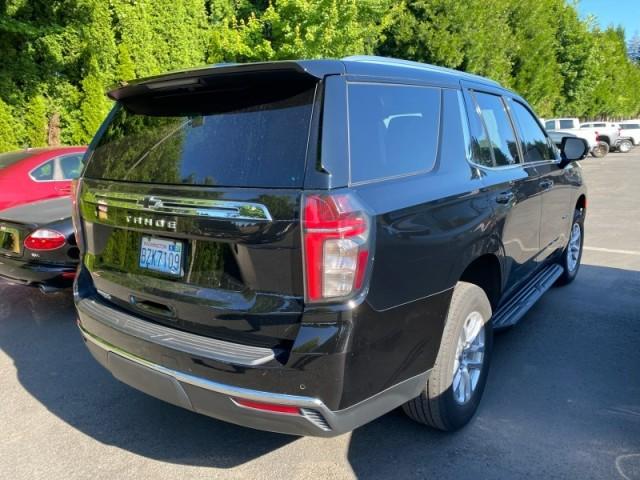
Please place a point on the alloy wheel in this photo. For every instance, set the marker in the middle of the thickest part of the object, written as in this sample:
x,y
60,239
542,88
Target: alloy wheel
x,y
469,358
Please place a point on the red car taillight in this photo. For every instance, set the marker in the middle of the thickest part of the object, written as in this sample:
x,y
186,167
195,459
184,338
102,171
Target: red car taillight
x,y
44,239
336,236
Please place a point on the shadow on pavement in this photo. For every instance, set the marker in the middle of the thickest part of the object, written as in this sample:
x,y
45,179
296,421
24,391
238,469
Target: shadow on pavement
x,y
562,399
39,333
563,396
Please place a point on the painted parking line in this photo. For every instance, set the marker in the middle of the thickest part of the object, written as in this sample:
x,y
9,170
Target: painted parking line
x,y
612,250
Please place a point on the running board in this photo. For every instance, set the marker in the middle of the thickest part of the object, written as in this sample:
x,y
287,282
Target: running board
x,y
511,312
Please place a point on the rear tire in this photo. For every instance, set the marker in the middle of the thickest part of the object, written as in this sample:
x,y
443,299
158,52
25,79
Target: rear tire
x,y
625,146
572,255
456,383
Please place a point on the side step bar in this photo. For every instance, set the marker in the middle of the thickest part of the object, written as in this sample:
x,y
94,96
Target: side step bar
x,y
512,311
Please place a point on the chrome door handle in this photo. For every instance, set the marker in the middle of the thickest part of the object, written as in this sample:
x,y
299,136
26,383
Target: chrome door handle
x,y
504,197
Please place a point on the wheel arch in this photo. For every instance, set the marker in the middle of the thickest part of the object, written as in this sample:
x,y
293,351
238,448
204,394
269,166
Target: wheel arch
x,y
485,271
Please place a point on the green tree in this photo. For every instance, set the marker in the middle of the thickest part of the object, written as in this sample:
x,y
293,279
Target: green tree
x,y
8,138
36,122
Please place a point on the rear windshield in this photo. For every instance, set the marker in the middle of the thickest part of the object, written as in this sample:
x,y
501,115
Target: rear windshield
x,y
10,158
208,138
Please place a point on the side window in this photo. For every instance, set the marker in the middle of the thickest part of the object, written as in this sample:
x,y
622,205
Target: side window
x,y
70,167
498,126
566,124
393,130
535,145
480,143
44,172
550,125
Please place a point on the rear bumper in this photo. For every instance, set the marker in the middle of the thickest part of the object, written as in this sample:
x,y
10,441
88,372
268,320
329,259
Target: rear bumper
x,y
27,273
216,400
204,375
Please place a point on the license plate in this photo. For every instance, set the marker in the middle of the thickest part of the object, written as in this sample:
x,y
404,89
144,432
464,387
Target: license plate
x,y
161,255
9,239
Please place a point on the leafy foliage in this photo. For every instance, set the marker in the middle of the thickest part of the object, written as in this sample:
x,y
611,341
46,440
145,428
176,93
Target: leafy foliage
x,y
60,56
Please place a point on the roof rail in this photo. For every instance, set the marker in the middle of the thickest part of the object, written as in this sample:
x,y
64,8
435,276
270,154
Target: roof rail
x,y
421,66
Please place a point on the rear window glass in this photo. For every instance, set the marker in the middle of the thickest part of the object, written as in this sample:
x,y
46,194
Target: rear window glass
x,y
393,130
566,123
224,138
10,158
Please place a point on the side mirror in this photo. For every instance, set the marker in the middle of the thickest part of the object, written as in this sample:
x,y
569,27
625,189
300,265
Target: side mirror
x,y
573,149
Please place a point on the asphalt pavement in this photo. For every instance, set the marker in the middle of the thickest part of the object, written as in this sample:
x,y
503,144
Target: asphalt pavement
x,y
562,399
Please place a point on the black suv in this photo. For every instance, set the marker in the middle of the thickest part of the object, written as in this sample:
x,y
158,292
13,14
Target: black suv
x,y
303,246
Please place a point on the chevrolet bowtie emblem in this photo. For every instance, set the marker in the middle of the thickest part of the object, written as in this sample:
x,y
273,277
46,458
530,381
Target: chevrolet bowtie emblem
x,y
150,202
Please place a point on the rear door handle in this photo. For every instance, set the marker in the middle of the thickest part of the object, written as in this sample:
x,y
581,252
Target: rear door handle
x,y
504,197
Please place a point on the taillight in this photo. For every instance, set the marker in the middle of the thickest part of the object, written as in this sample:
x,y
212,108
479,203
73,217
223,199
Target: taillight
x,y
45,239
336,232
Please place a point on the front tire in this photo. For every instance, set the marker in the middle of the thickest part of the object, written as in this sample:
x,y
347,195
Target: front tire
x,y
456,383
572,255
600,150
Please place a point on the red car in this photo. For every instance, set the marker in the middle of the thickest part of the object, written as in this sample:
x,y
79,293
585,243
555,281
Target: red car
x,y
38,173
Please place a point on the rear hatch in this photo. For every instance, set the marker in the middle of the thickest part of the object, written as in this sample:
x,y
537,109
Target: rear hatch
x,y
190,206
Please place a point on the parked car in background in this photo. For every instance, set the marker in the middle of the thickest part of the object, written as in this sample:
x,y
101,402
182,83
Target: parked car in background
x,y
38,173
303,246
558,128
623,144
607,132
37,244
631,129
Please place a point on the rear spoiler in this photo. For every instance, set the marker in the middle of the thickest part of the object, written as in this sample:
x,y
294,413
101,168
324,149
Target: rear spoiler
x,y
225,75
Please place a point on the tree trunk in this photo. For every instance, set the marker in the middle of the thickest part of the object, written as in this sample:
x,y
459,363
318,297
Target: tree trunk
x,y
53,137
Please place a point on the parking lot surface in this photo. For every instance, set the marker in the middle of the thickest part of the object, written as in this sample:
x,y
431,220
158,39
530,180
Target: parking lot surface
x,y
562,400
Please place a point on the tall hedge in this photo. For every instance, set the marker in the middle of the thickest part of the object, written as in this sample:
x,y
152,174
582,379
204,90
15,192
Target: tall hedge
x,y
60,56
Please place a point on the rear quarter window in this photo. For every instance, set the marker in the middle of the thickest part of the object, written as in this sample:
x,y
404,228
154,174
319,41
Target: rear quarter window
x,y
393,130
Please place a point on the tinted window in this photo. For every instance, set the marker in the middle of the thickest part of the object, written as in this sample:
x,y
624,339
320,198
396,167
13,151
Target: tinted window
x,y
498,126
535,146
44,172
550,125
480,143
629,126
241,138
566,123
70,166
393,130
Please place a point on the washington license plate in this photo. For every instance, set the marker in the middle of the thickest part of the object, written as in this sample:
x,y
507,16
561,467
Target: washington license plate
x,y
161,255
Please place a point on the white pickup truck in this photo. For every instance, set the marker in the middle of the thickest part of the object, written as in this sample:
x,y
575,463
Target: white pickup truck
x,y
557,128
